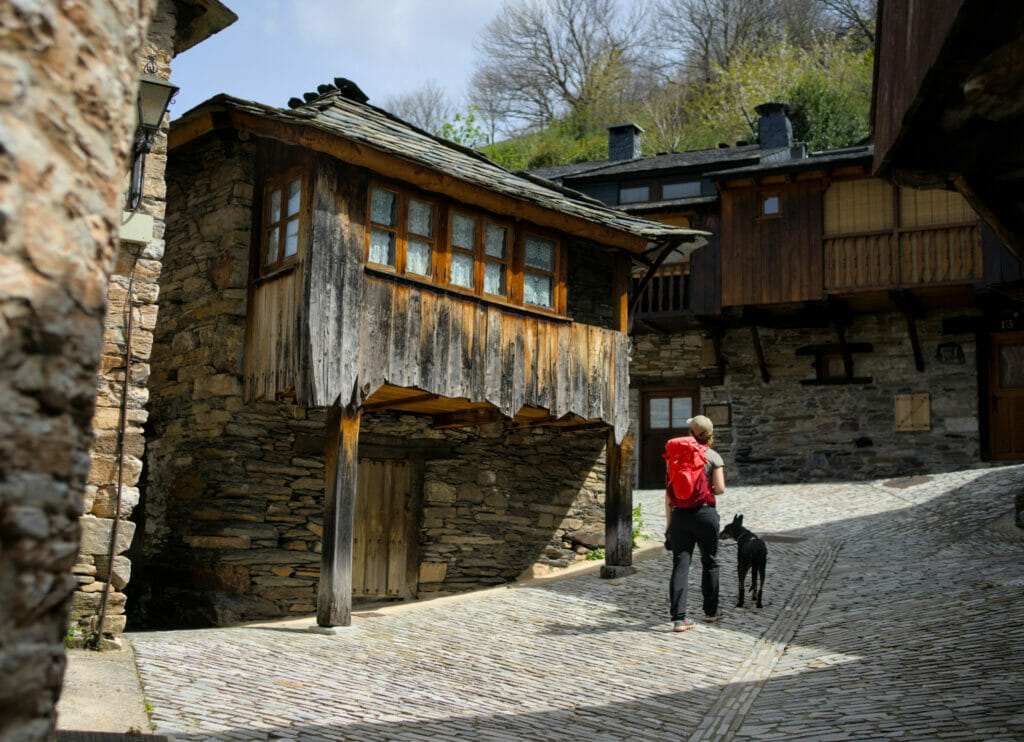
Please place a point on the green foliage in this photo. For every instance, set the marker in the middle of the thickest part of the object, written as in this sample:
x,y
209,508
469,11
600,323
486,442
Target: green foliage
x,y
638,526
466,128
596,555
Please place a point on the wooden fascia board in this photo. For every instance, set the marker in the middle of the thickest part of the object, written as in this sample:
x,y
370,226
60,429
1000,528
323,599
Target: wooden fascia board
x,y
412,173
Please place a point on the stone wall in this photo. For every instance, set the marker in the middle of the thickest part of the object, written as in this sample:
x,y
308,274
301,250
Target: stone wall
x,y
68,80
233,492
787,431
137,270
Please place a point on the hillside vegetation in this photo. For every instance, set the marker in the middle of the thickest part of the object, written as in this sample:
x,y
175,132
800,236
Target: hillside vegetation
x,y
551,75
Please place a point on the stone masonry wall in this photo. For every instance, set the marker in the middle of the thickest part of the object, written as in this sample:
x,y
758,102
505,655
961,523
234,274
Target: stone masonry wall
x,y
233,492
68,81
94,568
785,431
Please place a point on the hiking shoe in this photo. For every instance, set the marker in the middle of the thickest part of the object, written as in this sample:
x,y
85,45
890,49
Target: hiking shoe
x,y
683,625
717,617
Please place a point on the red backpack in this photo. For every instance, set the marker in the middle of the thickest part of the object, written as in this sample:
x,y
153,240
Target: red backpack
x,y
687,479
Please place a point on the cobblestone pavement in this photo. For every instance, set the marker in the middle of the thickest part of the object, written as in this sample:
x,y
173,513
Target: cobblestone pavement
x,y
893,610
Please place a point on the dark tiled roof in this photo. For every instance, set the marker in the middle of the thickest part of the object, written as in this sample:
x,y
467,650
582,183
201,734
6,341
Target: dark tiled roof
x,y
377,129
699,160
829,159
558,172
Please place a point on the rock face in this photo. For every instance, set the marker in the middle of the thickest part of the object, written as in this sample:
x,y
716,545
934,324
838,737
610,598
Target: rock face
x,y
68,81
788,430
133,283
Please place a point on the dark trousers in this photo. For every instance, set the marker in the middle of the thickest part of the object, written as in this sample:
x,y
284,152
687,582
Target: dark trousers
x,y
688,527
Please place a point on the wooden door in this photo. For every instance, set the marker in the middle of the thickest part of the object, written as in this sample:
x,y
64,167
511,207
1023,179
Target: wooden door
x,y
663,415
1006,398
384,532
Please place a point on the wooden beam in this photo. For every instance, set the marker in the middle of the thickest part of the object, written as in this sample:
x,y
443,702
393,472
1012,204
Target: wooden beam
x,y
303,134
467,418
621,292
662,256
334,591
402,403
759,351
618,513
910,309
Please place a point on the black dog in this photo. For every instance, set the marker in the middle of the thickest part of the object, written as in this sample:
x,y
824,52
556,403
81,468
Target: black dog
x,y
751,554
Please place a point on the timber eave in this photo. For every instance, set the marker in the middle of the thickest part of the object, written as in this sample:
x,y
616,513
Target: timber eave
x,y
483,185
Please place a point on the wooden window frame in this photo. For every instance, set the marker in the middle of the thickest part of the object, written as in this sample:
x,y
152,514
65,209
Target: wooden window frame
x,y
281,181
401,230
557,273
443,249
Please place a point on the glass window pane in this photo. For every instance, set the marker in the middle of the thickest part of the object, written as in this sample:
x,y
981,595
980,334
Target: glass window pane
x,y
462,269
494,278
382,247
771,205
463,232
271,244
417,257
1011,364
497,239
633,195
382,207
537,289
658,413
421,218
274,206
682,410
540,253
291,238
294,196
688,189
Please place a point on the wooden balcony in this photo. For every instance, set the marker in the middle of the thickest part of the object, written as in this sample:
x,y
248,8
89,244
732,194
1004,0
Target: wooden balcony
x,y
903,259
423,349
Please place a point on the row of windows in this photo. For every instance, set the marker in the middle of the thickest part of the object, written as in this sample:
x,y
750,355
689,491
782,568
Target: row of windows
x,y
476,253
429,240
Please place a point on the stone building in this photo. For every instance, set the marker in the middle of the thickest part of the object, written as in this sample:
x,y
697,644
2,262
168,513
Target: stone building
x,y
118,441
835,326
384,367
68,85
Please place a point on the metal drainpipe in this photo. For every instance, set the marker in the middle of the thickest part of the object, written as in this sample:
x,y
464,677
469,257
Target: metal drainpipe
x,y
122,428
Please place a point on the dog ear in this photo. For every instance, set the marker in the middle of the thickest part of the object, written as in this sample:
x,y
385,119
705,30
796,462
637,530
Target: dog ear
x,y
739,519
736,519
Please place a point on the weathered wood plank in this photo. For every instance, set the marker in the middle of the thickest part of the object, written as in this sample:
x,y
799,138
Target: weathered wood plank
x,y
334,591
493,358
618,508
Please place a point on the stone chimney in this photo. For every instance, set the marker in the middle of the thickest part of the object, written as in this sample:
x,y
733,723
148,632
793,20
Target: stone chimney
x,y
774,128
624,142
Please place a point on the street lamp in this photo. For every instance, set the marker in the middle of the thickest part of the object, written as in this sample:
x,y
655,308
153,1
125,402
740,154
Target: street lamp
x,y
154,96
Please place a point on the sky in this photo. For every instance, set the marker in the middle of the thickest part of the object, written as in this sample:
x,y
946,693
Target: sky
x,y
278,49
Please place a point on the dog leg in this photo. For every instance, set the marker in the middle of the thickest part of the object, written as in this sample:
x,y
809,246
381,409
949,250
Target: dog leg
x,y
760,587
742,569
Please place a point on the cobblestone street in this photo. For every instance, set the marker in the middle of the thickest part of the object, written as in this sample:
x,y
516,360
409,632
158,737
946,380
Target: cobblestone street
x,y
893,610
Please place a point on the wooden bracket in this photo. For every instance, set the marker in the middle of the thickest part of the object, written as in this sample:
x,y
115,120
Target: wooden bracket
x,y
765,377
906,304
662,257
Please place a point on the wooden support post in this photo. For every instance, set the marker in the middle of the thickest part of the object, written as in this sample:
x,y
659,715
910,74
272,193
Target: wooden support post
x,y
910,310
618,513
716,339
759,351
334,592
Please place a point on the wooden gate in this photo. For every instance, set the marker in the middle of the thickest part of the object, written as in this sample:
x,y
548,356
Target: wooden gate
x,y
384,558
1006,398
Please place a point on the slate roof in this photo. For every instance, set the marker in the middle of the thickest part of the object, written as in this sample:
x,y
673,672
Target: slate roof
x,y
814,161
376,128
701,160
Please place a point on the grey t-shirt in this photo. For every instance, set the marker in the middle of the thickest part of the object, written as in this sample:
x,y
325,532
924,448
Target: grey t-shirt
x,y
713,461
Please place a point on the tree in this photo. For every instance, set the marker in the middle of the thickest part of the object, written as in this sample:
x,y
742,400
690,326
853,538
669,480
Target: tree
x,y
543,59
427,107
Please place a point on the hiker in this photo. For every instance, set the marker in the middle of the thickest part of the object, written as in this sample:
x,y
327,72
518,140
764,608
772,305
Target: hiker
x,y
694,475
